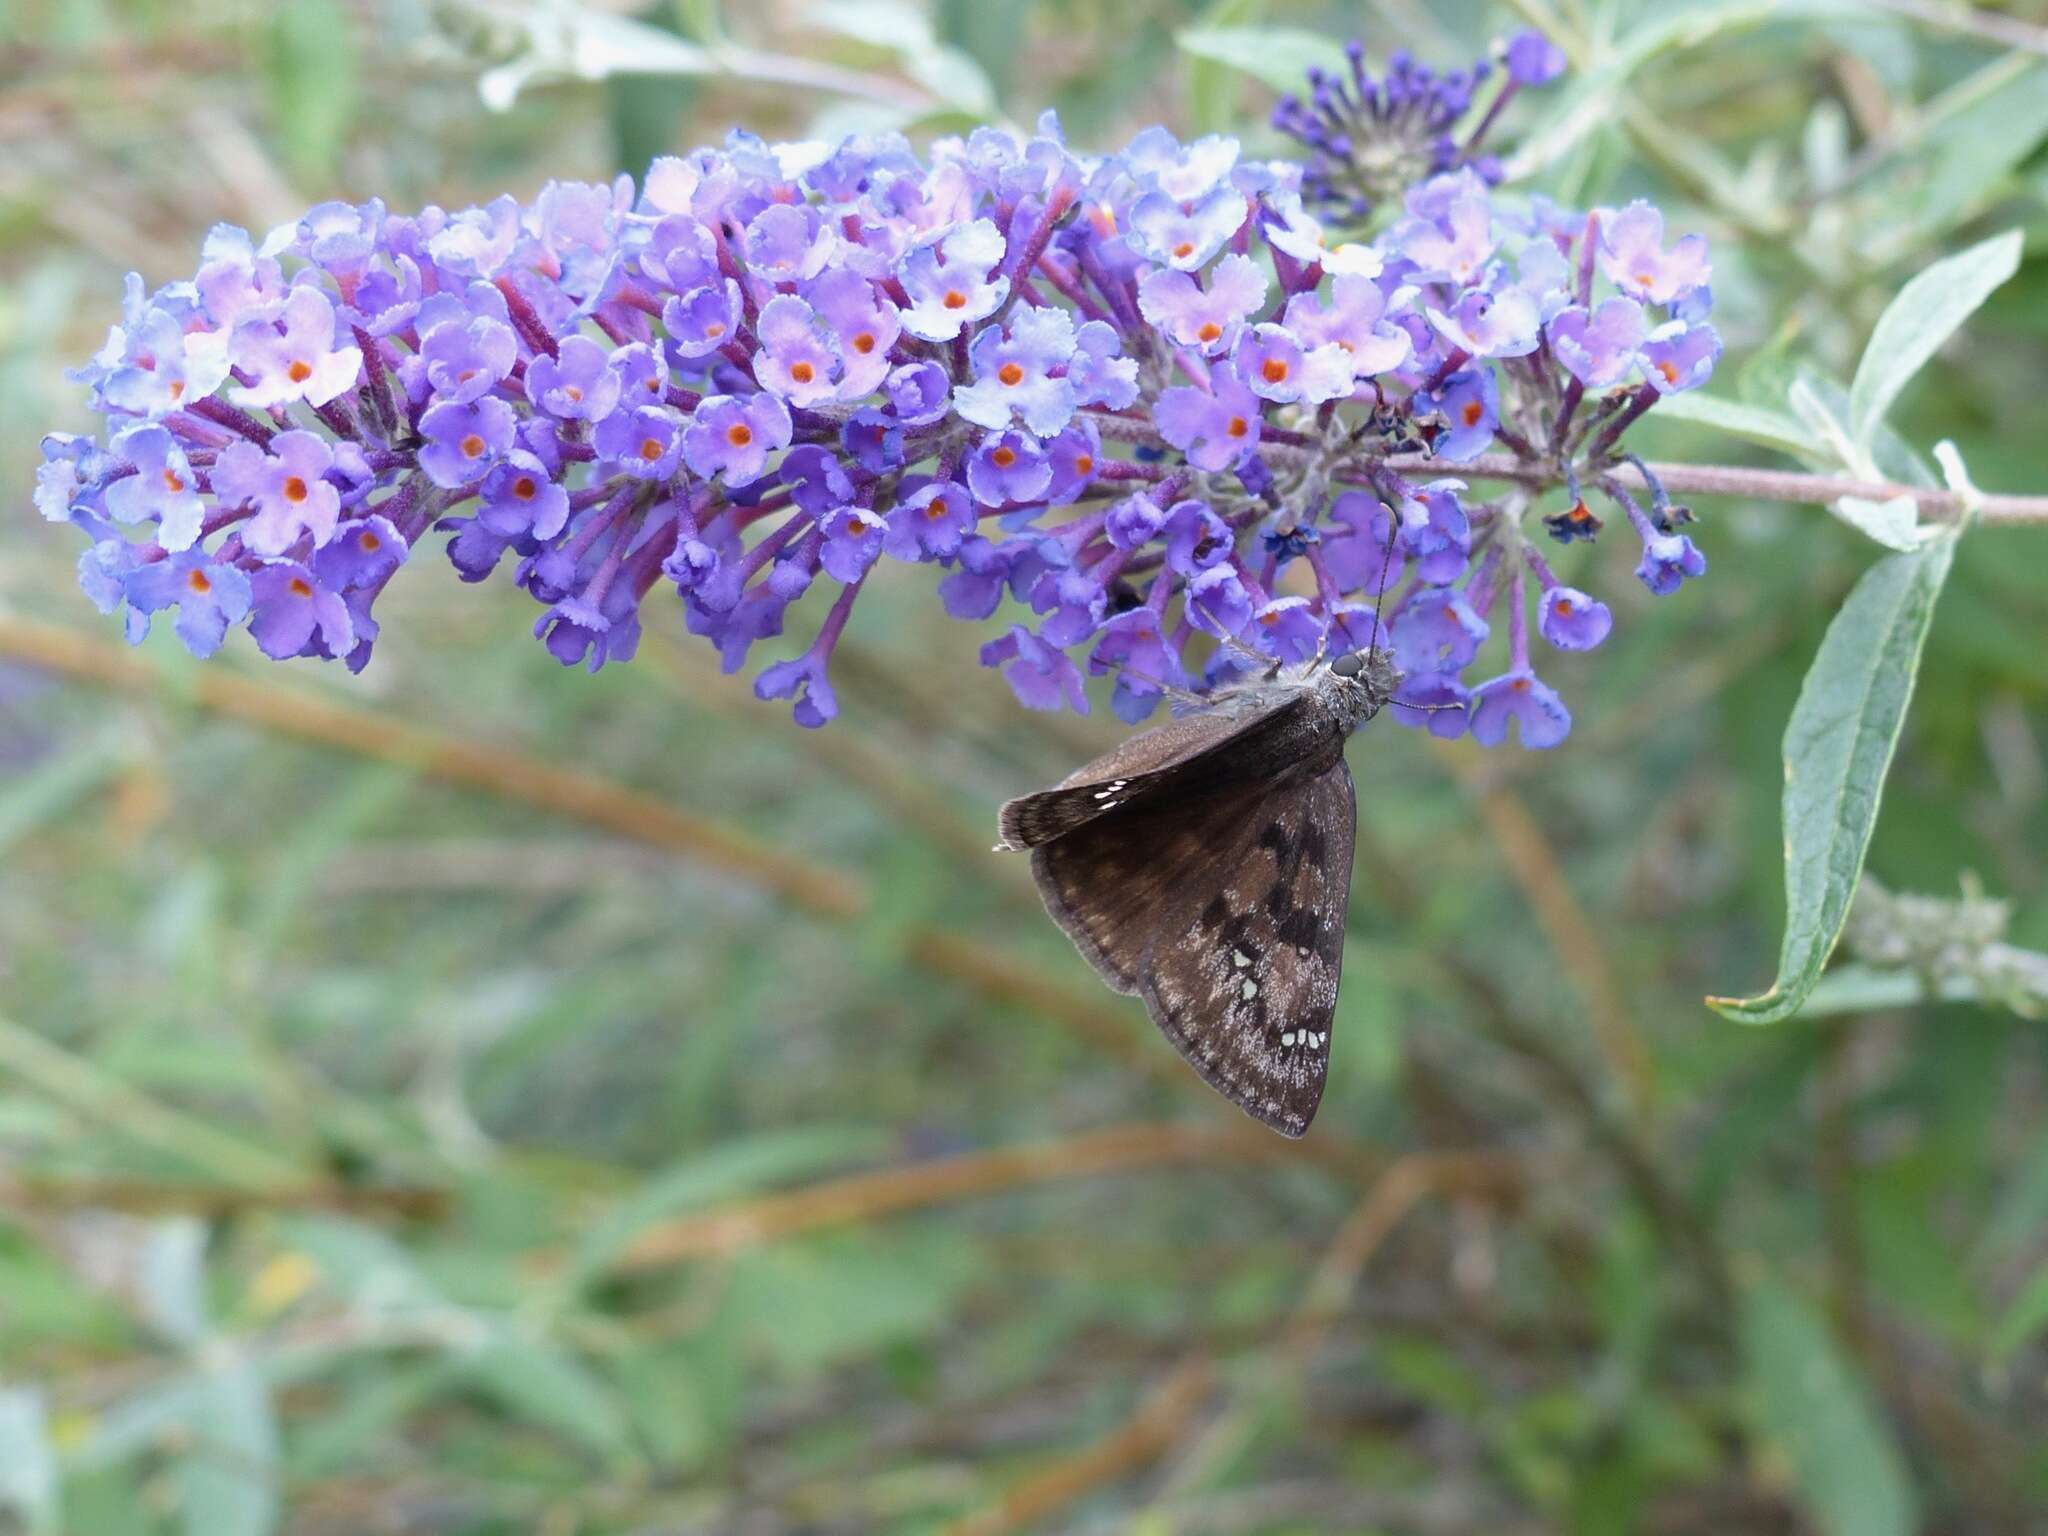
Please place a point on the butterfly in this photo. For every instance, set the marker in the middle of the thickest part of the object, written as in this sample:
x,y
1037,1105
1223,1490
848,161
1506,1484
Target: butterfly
x,y
1205,866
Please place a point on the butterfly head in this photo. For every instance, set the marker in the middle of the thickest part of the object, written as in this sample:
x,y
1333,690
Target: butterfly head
x,y
1358,684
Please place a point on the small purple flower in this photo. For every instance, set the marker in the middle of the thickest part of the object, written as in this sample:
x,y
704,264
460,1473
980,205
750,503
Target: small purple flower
x,y
1008,469
1436,532
1215,427
1352,321
1185,234
1020,374
1040,676
1539,714
1533,59
1218,601
287,486
209,595
468,357
1073,455
1632,255
1491,324
854,538
293,357
1436,631
863,325
464,441
1432,701
1452,248
519,499
796,360
292,612
1679,356
1274,366
1668,559
1131,645
1287,629
1099,373
576,385
1355,547
643,441
789,243
163,486
1196,538
932,523
974,588
1469,404
1208,320
733,437
947,276
802,678
918,393
1073,602
158,367
1598,349
1571,620
703,320
642,372
363,552
1133,521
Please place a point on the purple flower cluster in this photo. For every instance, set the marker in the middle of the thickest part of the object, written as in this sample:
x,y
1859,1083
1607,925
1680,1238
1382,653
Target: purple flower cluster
x,y
1144,398
1369,140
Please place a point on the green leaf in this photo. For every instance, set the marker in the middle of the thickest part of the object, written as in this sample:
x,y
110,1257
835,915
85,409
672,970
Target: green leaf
x,y
1838,748
1814,1414
564,44
1279,56
28,1464
1754,424
227,1479
721,1173
1926,312
547,1386
1212,86
2027,1316
1867,989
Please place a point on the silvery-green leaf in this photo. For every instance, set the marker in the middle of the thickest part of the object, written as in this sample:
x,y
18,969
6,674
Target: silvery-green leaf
x,y
226,1474
1868,989
28,1464
1815,1420
171,1287
1751,423
1838,749
1279,56
568,42
1926,313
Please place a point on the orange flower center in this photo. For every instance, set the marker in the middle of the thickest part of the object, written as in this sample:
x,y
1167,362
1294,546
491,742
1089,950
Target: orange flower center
x,y
856,527
1210,331
803,373
1238,427
739,434
198,583
177,390
574,392
650,448
369,543
294,489
1003,458
524,488
955,299
1010,374
472,446
1084,463
299,371
864,343
1472,412
935,508
172,483
714,330
1184,250
1520,685
1562,607
299,587
1670,372
1272,370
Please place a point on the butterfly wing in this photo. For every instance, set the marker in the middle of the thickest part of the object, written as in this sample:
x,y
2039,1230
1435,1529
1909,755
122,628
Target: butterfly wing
x,y
1183,757
1225,912
1241,973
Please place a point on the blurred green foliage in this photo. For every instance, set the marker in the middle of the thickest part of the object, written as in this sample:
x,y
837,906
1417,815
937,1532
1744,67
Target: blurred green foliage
x,y
370,1146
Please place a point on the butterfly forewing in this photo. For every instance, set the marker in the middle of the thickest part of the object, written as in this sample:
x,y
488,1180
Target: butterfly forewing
x,y
1190,755
1241,973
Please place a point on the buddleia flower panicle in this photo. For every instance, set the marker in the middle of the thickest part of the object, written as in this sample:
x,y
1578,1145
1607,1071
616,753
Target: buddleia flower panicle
x,y
1128,406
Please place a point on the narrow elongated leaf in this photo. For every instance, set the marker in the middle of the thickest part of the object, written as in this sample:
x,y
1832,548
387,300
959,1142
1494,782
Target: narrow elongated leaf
x,y
2027,1316
1838,748
1814,1412
1928,310
227,1482
1754,424
28,1464
1279,56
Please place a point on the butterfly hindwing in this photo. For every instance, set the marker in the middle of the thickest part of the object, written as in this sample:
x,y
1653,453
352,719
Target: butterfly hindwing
x,y
1183,756
1241,972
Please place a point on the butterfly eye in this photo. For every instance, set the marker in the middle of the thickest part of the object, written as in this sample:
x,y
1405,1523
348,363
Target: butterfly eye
x,y
1348,664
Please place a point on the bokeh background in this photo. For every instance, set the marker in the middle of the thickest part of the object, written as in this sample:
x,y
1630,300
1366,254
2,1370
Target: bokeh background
x,y
482,1097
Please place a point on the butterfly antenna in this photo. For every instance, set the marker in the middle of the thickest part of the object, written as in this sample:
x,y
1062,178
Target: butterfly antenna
x,y
1379,597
